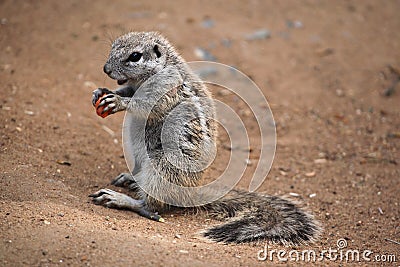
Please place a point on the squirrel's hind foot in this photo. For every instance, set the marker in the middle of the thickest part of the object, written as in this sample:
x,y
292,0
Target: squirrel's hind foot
x,y
115,200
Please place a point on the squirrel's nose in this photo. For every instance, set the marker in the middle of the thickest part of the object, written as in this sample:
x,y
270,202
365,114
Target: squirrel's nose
x,y
107,69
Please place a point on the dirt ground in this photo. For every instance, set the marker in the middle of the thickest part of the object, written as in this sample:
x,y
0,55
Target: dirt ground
x,y
329,69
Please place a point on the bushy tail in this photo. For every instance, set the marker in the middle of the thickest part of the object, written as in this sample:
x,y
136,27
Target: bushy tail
x,y
256,217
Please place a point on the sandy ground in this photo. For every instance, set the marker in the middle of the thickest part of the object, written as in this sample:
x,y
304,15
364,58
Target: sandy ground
x,y
329,69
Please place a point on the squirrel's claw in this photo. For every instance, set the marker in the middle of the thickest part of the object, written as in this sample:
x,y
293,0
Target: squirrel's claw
x,y
98,93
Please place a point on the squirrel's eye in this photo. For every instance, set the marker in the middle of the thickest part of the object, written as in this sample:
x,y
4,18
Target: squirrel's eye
x,y
134,57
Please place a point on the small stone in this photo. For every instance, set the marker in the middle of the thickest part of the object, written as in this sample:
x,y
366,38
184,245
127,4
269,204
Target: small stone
x,y
294,24
312,195
207,23
283,173
320,161
298,24
339,92
325,52
204,54
310,174
322,155
359,223
248,162
178,236
224,92
46,222
245,112
183,251
261,34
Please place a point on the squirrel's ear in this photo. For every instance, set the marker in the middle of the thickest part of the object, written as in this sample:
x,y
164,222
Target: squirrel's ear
x,y
157,51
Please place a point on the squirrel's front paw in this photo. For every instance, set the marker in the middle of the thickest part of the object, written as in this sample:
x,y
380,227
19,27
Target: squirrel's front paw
x,y
98,93
110,104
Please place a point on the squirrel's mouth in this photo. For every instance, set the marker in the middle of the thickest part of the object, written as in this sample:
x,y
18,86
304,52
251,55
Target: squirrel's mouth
x,y
121,82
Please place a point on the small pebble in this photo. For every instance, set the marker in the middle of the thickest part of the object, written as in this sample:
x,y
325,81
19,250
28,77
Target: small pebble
x,y
294,24
224,92
261,34
339,92
310,174
178,236
312,195
325,52
380,211
298,24
207,23
183,251
320,161
204,54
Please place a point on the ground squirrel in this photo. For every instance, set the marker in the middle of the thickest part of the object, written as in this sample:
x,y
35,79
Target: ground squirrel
x,y
156,82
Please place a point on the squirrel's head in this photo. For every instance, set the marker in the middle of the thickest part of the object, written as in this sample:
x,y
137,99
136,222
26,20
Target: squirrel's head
x,y
136,56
